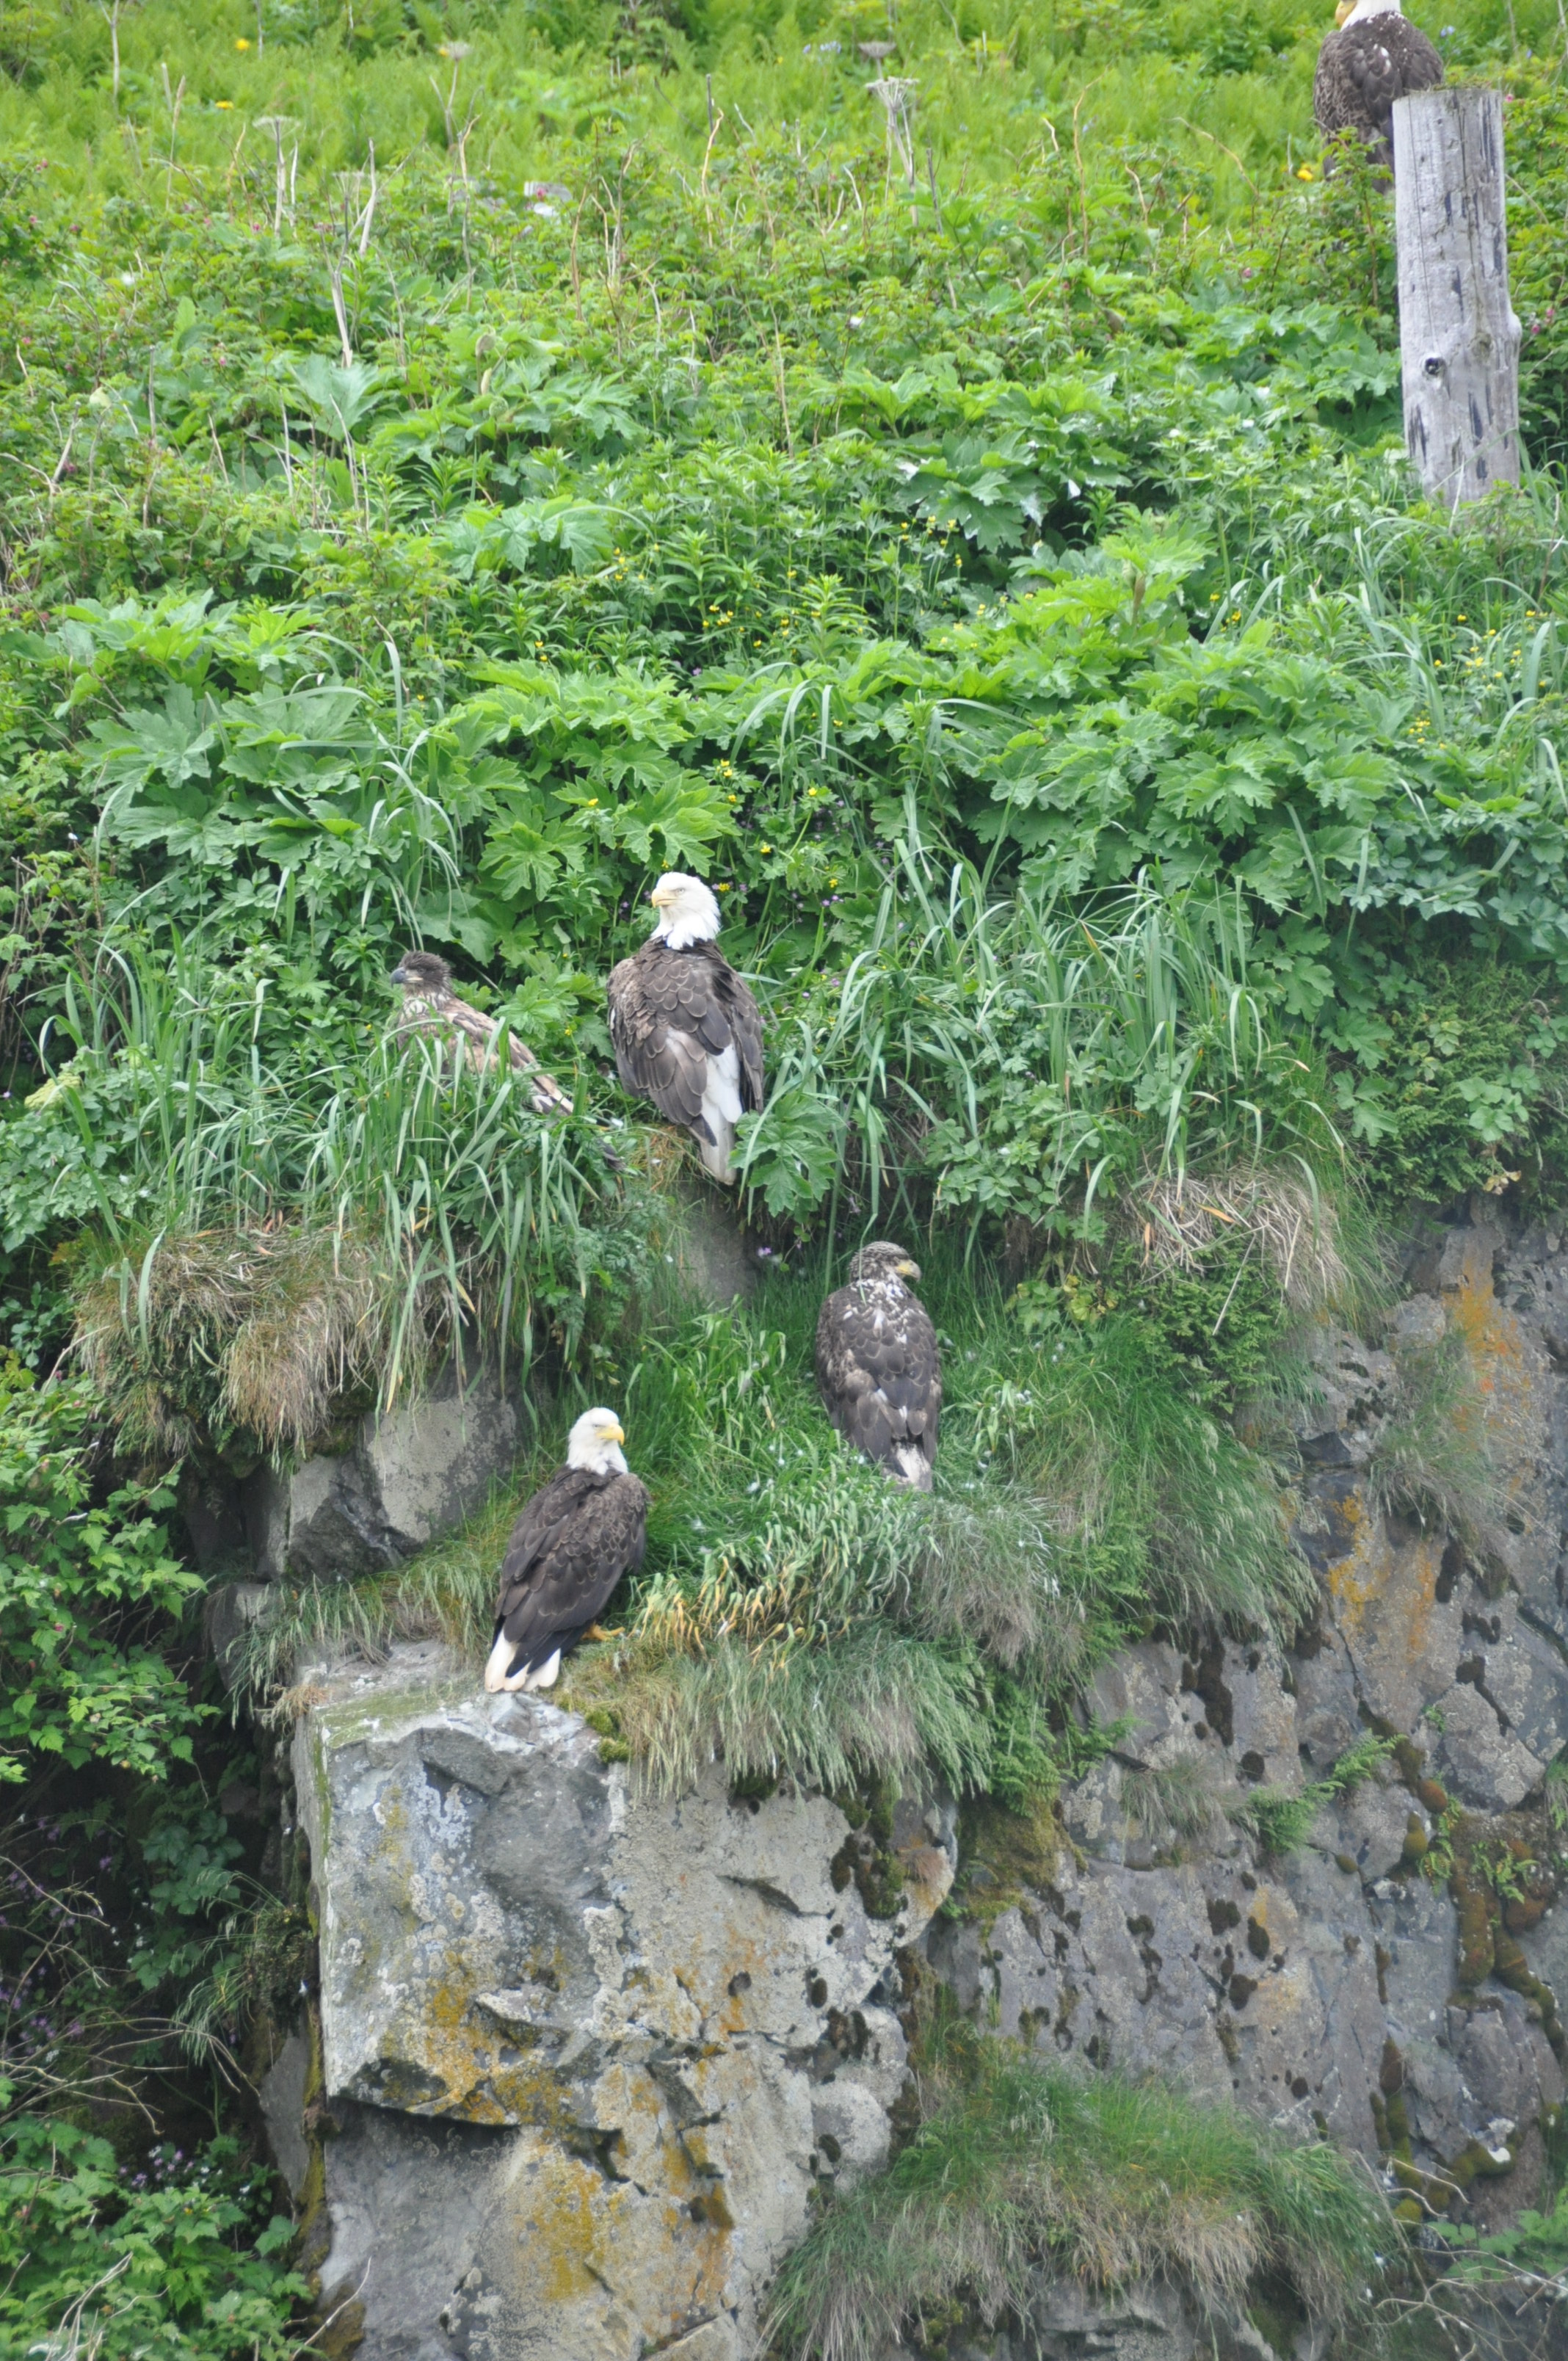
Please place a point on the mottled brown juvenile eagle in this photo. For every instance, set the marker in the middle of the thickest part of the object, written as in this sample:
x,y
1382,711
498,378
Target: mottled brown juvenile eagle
x,y
430,1005
1373,58
571,1545
687,1033
877,1366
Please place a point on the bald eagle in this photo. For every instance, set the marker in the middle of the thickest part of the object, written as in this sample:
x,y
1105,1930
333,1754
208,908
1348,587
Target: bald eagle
x,y
571,1545
877,1368
687,1033
430,1007
1373,59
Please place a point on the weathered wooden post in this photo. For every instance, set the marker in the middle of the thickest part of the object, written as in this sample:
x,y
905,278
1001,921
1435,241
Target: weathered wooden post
x,y
1459,340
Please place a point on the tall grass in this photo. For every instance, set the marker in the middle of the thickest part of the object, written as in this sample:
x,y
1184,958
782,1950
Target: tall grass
x,y
1228,104
798,1612
271,1242
1025,2167
1033,1058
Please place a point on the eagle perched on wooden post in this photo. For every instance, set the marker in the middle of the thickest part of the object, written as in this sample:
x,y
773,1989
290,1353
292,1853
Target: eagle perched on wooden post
x,y
1373,58
687,1033
430,1005
877,1366
571,1545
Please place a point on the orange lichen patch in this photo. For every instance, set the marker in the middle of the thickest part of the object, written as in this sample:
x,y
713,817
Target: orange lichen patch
x,y
747,1964
1363,1582
1507,1366
559,2229
1349,1527
928,1877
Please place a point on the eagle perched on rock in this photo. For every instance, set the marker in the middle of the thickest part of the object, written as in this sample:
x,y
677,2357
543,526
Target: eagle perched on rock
x,y
877,1366
571,1545
687,1033
1373,58
430,1007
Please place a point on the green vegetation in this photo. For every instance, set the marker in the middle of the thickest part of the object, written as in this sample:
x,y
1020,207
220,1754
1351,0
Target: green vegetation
x,y
1020,2162
1282,1821
463,461
800,1613
176,2264
90,1602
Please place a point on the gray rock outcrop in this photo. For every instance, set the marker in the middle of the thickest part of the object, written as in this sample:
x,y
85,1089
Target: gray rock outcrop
x,y
584,2056
1342,1988
411,1476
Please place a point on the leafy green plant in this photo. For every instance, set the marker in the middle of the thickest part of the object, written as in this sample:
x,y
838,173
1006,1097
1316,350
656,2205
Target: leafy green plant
x,y
172,2265
1282,1821
1452,1073
90,1600
1048,1059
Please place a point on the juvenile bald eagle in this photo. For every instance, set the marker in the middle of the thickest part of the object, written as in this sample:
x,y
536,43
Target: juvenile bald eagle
x,y
430,1005
571,1545
877,1368
1373,58
688,1033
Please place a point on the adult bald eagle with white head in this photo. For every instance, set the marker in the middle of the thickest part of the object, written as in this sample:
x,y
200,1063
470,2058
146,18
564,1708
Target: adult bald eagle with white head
x,y
571,1545
686,1031
1373,58
877,1370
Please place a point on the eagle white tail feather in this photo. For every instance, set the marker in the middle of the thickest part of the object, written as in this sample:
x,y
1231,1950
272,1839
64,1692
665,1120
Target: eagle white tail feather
x,y
721,1112
909,1461
500,1678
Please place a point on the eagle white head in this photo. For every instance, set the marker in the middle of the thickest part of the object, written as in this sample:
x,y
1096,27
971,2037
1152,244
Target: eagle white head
x,y
1358,11
593,1443
688,912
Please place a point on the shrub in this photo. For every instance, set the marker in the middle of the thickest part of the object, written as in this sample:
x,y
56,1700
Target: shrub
x,y
186,2269
1451,1075
90,1600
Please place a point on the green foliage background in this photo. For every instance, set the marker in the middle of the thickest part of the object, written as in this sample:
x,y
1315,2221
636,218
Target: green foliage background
x,y
462,461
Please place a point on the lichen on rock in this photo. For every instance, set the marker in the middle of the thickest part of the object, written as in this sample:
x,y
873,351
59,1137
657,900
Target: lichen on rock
x,y
587,2054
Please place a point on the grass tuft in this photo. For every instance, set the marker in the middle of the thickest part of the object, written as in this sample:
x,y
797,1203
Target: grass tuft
x,y
799,1612
1022,2164
271,1244
1433,1461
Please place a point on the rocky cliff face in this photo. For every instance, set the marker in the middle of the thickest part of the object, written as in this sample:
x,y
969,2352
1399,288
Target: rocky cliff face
x,y
582,2058
1392,1982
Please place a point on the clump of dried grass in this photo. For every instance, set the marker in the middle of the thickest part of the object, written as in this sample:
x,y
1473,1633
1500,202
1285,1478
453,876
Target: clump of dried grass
x,y
262,1332
1178,1218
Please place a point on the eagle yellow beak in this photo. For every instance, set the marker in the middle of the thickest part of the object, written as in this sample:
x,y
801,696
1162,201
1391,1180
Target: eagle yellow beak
x,y
1343,10
659,900
615,1434
908,1269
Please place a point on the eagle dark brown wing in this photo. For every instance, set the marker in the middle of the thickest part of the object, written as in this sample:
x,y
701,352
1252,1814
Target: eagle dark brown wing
x,y
449,1015
545,1092
571,1545
880,1378
1362,69
670,1014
